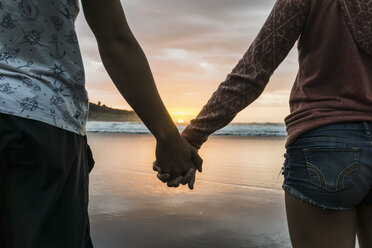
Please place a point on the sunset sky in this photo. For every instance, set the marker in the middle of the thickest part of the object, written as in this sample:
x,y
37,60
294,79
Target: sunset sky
x,y
191,46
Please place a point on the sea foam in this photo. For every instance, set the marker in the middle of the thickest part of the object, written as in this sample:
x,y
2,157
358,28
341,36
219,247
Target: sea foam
x,y
248,129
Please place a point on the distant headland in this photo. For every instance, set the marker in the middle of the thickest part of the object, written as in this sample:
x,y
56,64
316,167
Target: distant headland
x,y
98,112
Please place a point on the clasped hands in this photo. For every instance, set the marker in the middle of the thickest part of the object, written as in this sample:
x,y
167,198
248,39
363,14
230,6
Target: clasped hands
x,y
177,162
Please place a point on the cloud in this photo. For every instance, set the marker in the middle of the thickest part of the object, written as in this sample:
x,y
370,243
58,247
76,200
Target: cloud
x,y
191,45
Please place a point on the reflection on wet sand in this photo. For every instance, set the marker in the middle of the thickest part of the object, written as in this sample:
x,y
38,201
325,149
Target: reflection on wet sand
x,y
237,201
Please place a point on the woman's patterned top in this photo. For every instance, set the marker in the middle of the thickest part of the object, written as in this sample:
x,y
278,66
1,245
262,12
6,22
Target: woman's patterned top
x,y
41,69
358,15
325,47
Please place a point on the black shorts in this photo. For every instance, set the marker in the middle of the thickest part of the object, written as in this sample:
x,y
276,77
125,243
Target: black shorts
x,y
44,175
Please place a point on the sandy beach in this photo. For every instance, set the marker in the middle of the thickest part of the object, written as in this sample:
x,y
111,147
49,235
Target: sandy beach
x,y
237,201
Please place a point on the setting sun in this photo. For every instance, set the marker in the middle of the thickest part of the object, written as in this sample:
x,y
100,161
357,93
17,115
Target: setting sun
x,y
182,115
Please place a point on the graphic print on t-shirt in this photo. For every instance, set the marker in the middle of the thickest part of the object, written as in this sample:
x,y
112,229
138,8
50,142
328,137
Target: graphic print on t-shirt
x,y
41,70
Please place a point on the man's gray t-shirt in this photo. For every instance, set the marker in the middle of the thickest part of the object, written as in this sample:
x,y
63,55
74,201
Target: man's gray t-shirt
x,y
41,69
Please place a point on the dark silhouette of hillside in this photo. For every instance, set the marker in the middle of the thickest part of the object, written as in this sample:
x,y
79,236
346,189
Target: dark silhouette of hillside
x,y
98,112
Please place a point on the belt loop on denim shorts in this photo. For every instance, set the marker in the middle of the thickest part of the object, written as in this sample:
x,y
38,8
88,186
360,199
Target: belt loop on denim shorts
x,y
367,129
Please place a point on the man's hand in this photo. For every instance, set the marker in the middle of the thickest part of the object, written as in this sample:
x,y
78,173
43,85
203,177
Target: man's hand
x,y
177,162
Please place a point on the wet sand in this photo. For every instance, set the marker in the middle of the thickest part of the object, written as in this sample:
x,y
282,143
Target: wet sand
x,y
237,201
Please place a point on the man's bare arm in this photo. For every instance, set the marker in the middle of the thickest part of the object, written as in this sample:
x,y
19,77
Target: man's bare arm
x,y
127,65
128,68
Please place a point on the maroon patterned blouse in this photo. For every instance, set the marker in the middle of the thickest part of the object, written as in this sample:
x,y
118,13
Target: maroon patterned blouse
x,y
334,81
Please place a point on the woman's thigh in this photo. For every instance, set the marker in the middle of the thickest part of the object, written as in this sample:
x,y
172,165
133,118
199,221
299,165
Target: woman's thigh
x,y
364,226
311,226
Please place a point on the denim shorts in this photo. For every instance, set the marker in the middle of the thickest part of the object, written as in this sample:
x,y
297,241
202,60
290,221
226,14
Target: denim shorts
x,y
331,166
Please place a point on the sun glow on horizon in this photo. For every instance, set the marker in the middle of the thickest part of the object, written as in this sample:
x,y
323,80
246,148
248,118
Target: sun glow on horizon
x,y
182,115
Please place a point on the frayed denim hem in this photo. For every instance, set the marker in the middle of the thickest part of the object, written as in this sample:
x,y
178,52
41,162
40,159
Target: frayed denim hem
x,y
290,190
